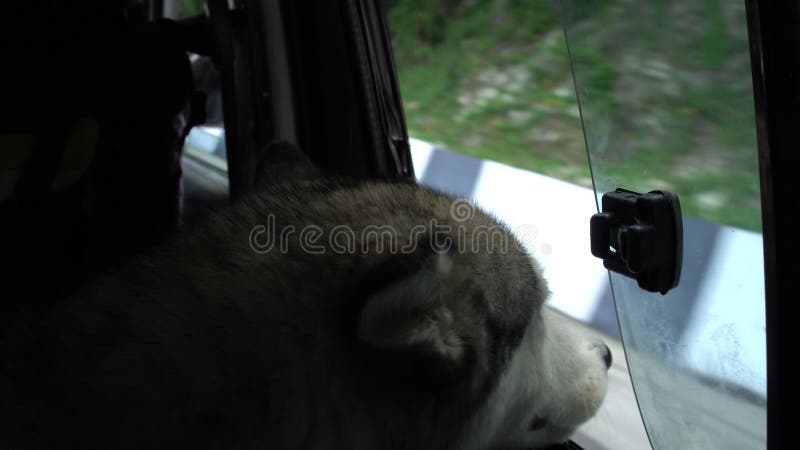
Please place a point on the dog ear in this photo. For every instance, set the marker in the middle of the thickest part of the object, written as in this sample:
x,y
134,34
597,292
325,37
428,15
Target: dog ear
x,y
409,315
282,160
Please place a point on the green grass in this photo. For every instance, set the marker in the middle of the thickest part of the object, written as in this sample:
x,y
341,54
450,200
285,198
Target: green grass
x,y
190,8
665,93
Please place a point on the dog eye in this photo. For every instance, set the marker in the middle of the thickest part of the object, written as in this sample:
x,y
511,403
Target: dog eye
x,y
537,423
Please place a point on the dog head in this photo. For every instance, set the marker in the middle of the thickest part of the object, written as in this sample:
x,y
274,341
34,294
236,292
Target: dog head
x,y
468,314
450,313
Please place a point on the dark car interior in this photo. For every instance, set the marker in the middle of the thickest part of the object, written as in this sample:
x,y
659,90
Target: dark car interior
x,y
98,102
97,98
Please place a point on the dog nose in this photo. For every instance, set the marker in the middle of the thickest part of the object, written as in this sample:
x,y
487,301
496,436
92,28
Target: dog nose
x,y
606,352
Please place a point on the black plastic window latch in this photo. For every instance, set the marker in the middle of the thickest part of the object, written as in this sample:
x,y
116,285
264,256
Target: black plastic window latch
x,y
640,236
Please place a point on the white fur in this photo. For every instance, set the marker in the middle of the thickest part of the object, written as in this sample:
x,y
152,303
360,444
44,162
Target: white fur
x,y
558,373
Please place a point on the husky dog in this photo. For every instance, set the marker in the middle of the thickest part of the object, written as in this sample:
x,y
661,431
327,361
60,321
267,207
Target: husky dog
x,y
319,313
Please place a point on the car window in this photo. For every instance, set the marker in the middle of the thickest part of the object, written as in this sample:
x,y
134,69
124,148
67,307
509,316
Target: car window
x,y
667,104
179,9
491,109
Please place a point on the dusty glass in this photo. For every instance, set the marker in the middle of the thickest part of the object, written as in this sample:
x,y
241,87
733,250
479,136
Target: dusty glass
x,y
666,102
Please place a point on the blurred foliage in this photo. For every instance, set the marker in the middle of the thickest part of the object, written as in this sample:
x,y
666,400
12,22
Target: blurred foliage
x,y
188,8
665,92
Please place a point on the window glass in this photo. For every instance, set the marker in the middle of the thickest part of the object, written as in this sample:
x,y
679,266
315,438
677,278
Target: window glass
x,y
490,105
666,97
490,80
179,9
